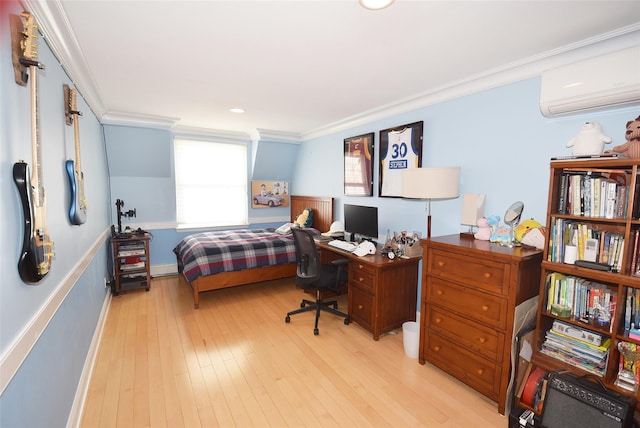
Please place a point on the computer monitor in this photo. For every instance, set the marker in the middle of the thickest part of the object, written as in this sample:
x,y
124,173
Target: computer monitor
x,y
361,221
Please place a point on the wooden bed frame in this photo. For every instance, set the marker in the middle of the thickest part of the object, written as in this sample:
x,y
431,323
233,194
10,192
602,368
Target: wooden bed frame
x,y
322,218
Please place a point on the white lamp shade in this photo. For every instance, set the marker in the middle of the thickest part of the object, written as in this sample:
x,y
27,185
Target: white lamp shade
x,y
431,183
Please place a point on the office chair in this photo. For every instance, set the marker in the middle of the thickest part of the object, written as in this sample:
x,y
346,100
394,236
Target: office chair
x,y
312,274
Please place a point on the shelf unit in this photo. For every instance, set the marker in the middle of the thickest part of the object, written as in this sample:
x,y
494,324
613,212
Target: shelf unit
x,y
131,263
619,223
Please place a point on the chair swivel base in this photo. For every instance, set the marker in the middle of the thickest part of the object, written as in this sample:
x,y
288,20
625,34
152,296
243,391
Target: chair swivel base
x,y
318,306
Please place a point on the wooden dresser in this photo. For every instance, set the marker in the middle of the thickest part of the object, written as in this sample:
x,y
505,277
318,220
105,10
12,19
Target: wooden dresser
x,y
470,290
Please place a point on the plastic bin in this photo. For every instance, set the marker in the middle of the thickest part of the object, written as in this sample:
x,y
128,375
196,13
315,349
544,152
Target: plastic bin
x,y
411,338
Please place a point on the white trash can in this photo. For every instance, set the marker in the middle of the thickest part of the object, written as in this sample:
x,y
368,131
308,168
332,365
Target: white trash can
x,y
411,338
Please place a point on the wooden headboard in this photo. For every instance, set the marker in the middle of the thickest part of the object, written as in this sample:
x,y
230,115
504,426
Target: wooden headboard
x,y
322,210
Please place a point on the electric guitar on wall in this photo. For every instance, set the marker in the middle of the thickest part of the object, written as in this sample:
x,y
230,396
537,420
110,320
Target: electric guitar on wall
x,y
78,208
37,249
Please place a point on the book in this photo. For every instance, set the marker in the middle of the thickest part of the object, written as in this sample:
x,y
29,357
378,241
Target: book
x,y
587,157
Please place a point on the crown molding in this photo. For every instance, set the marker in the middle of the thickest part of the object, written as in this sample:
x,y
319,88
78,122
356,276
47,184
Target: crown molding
x,y
140,120
208,134
57,32
279,136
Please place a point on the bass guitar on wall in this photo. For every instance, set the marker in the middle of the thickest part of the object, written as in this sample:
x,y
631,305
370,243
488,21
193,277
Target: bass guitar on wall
x,y
78,207
37,248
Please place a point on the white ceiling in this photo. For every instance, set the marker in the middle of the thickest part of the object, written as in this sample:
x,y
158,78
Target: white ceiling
x,y
300,67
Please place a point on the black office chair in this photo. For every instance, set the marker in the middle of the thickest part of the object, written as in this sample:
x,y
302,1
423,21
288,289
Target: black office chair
x,y
312,274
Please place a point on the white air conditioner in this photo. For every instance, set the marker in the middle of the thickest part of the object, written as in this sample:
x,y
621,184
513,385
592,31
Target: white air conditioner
x,y
601,82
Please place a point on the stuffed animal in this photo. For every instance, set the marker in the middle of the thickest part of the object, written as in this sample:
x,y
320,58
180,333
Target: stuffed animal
x,y
521,229
305,219
589,140
531,233
631,148
484,230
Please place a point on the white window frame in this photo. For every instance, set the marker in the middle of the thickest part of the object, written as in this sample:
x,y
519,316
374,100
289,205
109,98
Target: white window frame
x,y
211,192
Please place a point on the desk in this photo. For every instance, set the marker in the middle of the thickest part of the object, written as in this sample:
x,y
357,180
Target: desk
x,y
382,292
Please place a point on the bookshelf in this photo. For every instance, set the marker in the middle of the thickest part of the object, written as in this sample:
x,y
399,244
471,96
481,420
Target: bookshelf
x,y
587,307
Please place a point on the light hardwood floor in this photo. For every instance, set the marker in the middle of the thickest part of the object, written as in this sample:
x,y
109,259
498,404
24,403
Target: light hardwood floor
x,y
235,362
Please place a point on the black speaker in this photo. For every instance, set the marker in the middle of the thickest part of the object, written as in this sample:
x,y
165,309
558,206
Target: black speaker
x,y
573,401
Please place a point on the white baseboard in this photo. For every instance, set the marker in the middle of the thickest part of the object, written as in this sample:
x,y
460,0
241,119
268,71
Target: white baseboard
x,y
164,270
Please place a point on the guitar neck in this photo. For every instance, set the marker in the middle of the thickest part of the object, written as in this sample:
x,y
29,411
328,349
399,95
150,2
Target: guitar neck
x,y
36,174
76,136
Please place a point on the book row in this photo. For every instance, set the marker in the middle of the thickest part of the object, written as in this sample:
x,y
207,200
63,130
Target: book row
x,y
600,246
596,193
589,301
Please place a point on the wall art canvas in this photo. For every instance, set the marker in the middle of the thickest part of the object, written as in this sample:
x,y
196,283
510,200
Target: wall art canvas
x,y
269,194
358,165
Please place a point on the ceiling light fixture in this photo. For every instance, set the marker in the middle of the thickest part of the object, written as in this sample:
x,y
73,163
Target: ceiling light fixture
x,y
236,110
375,4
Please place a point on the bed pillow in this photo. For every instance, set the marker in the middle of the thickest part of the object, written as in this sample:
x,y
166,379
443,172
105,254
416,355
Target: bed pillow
x,y
305,219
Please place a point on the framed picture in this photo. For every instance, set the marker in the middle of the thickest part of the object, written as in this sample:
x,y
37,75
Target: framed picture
x,y
269,194
358,165
400,149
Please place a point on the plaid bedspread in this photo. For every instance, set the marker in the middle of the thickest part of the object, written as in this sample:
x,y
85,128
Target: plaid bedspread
x,y
209,253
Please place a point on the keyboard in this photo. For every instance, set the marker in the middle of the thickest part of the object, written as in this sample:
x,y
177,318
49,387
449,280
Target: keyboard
x,y
343,245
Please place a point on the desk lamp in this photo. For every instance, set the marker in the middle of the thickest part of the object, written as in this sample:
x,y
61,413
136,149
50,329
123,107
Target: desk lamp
x,y
431,183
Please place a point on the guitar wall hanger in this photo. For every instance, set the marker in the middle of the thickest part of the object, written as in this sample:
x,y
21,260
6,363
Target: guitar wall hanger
x,y
128,214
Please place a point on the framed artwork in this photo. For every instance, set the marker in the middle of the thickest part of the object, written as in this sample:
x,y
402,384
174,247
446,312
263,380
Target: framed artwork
x,y
269,194
400,149
358,165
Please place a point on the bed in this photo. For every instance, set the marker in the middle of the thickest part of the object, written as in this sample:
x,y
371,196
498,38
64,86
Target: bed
x,y
200,280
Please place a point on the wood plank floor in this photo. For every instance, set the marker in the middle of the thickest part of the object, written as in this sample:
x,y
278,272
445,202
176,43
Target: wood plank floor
x,y
235,363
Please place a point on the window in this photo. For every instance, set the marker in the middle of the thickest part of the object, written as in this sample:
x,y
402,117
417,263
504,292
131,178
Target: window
x,y
211,183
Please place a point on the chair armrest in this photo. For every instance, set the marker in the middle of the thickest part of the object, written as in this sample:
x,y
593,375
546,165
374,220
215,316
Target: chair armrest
x,y
340,262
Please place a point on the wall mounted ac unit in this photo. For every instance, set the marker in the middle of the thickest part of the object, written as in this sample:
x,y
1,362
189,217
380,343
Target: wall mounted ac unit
x,y
601,82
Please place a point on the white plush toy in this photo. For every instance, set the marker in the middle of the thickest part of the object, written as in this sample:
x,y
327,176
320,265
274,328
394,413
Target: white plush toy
x,y
589,140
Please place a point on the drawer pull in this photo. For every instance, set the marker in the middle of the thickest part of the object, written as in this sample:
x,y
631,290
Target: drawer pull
x,y
480,371
361,279
482,339
360,306
439,292
440,263
485,308
436,348
360,266
487,275
438,320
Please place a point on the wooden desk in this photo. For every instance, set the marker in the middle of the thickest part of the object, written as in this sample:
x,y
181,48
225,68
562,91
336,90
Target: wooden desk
x,y
382,292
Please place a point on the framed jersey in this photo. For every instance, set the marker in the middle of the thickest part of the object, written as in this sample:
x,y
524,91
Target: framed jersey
x,y
358,165
400,149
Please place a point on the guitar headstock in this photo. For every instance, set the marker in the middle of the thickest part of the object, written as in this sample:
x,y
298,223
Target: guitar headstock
x,y
30,43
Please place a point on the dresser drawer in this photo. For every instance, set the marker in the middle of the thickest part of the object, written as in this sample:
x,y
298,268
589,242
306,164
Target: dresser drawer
x,y
477,372
361,307
486,308
481,273
362,274
466,333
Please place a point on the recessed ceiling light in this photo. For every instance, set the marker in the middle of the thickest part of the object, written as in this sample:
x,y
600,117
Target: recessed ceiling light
x,y
375,4
236,110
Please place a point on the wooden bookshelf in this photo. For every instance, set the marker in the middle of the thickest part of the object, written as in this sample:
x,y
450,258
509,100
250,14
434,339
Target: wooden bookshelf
x,y
603,287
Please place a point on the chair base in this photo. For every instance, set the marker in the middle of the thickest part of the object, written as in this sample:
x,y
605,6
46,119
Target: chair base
x,y
318,306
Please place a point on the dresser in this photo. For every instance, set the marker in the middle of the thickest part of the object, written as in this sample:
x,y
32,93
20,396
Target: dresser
x,y
383,293
470,290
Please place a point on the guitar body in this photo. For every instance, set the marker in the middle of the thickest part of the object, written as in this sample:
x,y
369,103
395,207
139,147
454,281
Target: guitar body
x,y
77,209
35,257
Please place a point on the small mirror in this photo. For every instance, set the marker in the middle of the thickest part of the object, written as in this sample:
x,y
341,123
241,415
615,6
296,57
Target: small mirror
x,y
512,218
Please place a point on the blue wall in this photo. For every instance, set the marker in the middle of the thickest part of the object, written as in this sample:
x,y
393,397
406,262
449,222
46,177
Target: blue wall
x,y
43,389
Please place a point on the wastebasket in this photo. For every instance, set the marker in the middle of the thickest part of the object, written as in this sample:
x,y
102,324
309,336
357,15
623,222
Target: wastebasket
x,y
411,338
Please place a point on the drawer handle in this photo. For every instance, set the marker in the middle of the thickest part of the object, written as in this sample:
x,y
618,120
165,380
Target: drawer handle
x,y
360,266
360,306
440,263
361,279
436,348
482,339
487,275
439,292
480,371
438,320
485,308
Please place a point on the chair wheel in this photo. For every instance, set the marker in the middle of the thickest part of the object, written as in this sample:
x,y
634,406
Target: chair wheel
x,y
316,331
287,319
335,306
346,321
302,305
